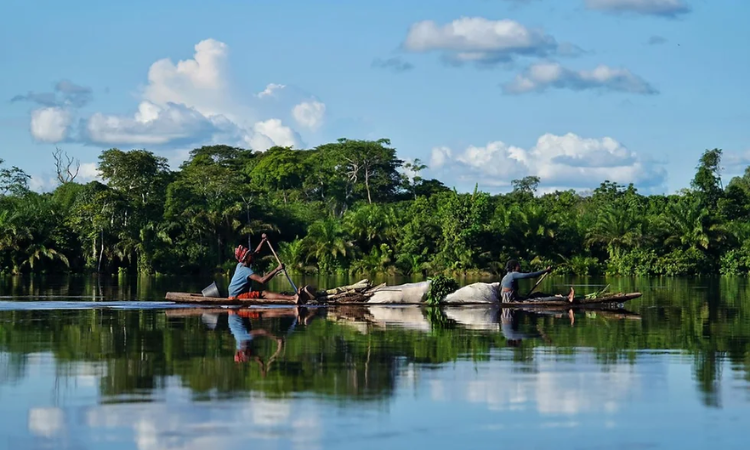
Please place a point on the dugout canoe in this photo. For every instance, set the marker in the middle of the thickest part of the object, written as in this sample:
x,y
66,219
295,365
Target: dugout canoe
x,y
541,302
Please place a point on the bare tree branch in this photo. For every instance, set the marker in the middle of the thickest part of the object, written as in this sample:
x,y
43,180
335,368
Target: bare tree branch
x,y
63,166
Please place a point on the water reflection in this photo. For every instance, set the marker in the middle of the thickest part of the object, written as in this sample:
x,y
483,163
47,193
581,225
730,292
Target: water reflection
x,y
674,365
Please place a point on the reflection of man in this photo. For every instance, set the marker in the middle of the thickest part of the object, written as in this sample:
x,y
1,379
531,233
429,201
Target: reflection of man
x,y
244,335
509,326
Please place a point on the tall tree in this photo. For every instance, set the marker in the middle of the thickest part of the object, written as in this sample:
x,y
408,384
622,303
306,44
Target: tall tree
x,y
707,180
13,181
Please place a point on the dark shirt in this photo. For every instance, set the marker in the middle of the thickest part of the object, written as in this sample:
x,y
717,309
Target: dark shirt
x,y
510,280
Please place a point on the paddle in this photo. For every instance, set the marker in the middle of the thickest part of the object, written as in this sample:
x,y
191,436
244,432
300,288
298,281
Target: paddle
x,y
265,238
537,283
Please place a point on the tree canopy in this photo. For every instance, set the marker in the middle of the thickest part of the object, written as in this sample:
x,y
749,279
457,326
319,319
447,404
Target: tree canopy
x,y
354,206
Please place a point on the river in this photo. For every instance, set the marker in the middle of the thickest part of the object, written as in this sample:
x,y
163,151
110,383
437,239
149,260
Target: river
x,y
87,362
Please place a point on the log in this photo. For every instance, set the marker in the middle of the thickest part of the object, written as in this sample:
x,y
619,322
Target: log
x,y
360,285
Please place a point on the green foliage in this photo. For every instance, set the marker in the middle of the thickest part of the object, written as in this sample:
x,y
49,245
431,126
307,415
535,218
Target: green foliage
x,y
352,206
440,286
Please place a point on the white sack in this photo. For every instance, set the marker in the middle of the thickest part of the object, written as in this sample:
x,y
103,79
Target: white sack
x,y
405,293
476,293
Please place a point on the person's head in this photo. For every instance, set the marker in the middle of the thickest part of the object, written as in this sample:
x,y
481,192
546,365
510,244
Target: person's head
x,y
243,355
512,266
243,255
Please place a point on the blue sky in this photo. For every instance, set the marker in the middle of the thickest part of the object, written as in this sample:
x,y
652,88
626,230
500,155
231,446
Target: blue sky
x,y
574,91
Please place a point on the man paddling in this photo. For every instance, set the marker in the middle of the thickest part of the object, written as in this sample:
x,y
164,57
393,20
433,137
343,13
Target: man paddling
x,y
509,284
240,288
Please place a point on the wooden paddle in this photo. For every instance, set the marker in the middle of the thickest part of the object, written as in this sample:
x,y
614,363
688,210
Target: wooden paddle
x,y
537,284
265,238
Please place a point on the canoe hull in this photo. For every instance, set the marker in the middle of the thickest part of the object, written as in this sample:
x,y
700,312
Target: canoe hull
x,y
543,302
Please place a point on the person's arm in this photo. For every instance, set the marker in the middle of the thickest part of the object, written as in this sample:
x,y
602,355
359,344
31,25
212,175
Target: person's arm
x,y
520,275
269,275
257,249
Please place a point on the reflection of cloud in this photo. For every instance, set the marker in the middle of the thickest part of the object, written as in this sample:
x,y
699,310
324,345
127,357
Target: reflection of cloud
x,y
46,422
270,412
547,386
220,424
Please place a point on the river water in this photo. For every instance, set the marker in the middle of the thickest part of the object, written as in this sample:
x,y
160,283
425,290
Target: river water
x,y
86,363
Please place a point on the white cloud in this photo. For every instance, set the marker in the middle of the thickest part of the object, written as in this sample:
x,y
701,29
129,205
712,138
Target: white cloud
x,y
151,125
185,103
541,76
477,39
270,89
89,172
192,102
271,132
42,183
439,156
668,8
200,83
309,114
562,162
50,124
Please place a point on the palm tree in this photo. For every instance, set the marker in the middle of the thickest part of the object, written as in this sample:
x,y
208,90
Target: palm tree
x,y
689,224
37,251
325,242
617,227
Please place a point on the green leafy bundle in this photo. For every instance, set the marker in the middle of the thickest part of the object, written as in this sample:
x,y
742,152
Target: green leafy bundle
x,y
440,286
598,294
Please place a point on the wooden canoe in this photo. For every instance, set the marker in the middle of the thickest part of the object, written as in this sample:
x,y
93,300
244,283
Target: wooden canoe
x,y
579,302
541,302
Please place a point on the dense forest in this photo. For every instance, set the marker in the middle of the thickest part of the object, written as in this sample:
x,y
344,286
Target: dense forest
x,y
349,206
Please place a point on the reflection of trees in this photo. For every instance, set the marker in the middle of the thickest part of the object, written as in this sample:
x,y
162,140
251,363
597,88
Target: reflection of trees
x,y
348,355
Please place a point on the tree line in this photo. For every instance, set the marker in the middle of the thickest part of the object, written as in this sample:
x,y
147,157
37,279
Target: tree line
x,y
350,207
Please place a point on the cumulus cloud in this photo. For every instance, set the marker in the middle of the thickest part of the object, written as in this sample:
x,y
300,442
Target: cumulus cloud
x,y
395,64
50,124
541,76
477,39
152,124
66,94
184,103
89,172
309,114
199,82
271,132
665,8
562,162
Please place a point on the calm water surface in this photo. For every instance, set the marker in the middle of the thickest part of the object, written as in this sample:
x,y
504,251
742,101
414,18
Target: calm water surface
x,y
86,363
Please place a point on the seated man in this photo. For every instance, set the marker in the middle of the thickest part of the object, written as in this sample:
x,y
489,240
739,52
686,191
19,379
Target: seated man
x,y
509,284
240,288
